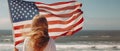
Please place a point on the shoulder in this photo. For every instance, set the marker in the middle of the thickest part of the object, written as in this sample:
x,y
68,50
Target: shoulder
x,y
51,40
51,45
26,39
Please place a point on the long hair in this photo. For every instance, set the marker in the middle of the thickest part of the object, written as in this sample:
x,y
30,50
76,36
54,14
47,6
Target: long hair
x,y
39,33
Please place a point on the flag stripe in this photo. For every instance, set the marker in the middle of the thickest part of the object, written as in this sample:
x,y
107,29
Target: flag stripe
x,y
22,23
69,13
64,29
58,6
64,25
64,34
18,27
77,24
63,15
64,22
54,4
18,42
18,35
51,22
58,9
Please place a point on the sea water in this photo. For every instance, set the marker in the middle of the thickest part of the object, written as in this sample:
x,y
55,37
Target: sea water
x,y
71,47
81,41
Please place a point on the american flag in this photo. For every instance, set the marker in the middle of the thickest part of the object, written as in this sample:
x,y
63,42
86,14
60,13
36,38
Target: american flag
x,y
64,18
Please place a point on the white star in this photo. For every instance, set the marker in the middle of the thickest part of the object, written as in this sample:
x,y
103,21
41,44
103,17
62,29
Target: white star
x,y
21,17
13,14
33,13
11,4
20,11
17,18
25,11
28,13
21,8
16,13
31,16
24,6
17,9
16,4
23,14
35,10
27,8
12,9
32,8
11,1
26,16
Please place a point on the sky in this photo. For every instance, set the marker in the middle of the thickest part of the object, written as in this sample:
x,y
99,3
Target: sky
x,y
98,14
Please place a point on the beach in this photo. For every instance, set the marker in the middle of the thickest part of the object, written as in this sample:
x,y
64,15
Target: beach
x,y
71,47
81,41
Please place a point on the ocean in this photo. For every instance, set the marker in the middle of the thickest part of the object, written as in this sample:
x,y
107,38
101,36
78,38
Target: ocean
x,y
87,40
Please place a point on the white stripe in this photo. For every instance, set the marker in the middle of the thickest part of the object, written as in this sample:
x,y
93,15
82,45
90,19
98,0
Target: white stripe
x,y
59,33
57,18
51,26
19,38
61,18
59,12
56,12
57,25
78,26
22,30
56,33
58,6
22,23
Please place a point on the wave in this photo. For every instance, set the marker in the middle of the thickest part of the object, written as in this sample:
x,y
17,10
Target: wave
x,y
63,46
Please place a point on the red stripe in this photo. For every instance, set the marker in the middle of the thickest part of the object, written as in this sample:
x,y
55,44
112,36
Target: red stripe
x,y
79,22
65,34
18,27
18,35
18,42
65,29
62,15
54,4
69,15
64,22
58,9
54,37
76,30
22,26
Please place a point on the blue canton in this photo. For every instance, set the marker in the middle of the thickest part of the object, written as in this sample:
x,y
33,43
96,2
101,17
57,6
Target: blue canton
x,y
22,10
